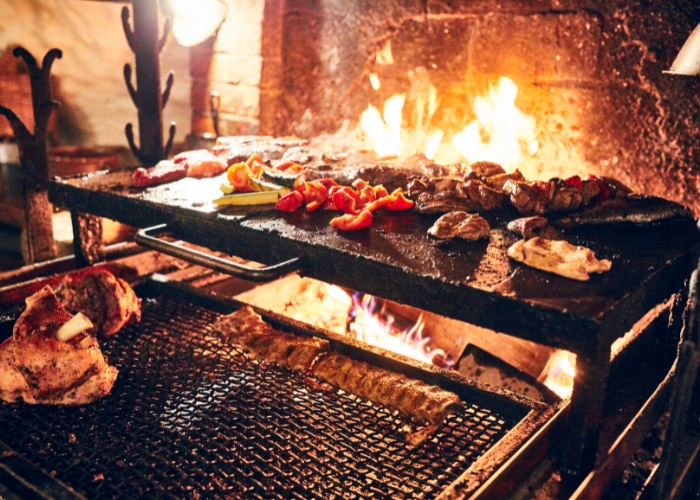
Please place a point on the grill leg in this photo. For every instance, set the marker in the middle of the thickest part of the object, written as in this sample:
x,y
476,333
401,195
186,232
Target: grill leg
x,y
578,456
87,238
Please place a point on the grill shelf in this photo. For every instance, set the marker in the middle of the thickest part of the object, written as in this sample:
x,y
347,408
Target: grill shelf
x,y
190,416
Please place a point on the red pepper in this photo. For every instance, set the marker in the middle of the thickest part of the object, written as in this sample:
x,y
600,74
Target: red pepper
x,y
604,189
358,184
381,202
328,183
238,175
350,222
347,200
315,194
574,181
367,194
290,202
284,165
380,191
400,202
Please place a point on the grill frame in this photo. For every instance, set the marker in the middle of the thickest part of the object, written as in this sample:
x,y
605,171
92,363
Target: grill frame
x,y
534,415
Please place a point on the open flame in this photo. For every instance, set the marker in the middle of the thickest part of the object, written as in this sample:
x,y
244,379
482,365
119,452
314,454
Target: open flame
x,y
499,129
500,133
376,326
559,373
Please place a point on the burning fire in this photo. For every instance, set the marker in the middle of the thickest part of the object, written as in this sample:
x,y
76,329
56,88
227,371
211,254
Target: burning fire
x,y
559,373
504,125
376,326
500,133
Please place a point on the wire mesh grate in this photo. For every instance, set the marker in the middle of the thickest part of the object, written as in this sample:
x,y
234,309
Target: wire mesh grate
x,y
191,417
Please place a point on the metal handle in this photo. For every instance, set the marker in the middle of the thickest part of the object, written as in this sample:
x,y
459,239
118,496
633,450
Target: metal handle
x,y
148,237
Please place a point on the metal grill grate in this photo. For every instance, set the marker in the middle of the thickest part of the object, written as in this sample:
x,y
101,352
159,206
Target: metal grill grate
x,y
190,417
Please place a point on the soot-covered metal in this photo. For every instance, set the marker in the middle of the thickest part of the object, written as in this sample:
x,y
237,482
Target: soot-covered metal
x,y
190,415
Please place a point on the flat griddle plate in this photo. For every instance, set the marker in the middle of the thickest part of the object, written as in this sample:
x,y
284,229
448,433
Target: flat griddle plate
x,y
395,258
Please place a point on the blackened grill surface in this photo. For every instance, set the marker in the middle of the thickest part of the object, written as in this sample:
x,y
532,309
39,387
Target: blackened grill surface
x,y
190,417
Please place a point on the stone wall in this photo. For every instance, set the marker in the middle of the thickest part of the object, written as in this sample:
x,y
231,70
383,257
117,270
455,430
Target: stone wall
x,y
95,104
590,71
231,64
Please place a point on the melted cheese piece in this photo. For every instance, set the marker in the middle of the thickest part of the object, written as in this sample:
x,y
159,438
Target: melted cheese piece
x,y
558,257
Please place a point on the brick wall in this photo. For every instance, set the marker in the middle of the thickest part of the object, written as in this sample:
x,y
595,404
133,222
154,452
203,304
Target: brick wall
x,y
230,63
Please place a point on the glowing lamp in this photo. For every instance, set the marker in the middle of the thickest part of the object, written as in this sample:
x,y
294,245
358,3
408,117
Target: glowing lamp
x,y
194,22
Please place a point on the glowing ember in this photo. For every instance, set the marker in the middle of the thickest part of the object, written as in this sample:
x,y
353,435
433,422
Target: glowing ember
x,y
560,372
385,134
504,126
377,328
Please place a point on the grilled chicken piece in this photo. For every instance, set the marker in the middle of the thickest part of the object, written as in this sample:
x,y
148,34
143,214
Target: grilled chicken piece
x,y
247,328
558,257
54,371
201,163
109,302
458,224
423,402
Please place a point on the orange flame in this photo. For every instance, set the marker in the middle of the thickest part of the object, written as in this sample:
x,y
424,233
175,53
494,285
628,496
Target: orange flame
x,y
377,328
504,125
385,134
560,372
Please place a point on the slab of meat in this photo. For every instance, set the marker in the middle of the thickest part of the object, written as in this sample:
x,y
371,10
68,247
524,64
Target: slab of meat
x,y
558,257
246,328
423,402
73,371
470,227
201,163
109,302
164,171
530,227
392,390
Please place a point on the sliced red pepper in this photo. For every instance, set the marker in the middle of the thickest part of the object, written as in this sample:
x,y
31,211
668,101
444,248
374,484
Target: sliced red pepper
x,y
367,194
315,195
400,202
350,222
380,191
290,202
328,183
358,184
381,202
295,169
347,200
284,165
574,181
238,175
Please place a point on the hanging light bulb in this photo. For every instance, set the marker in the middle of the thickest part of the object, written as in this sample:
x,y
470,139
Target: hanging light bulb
x,y
195,21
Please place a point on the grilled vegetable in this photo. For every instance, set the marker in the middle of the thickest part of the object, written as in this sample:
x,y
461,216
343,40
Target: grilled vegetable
x,y
290,202
284,179
255,198
352,222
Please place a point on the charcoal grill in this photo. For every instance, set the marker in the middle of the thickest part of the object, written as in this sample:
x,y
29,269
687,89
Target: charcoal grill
x,y
190,416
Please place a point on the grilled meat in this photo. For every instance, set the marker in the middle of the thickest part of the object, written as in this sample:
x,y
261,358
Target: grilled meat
x,y
73,371
565,198
558,257
497,181
238,149
478,191
529,227
246,328
470,227
528,198
201,163
109,302
394,391
164,171
484,169
445,201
